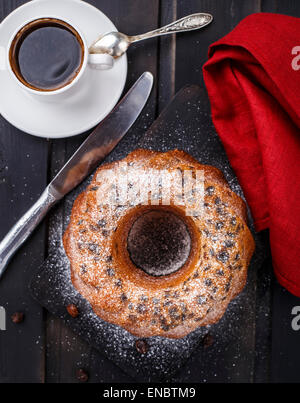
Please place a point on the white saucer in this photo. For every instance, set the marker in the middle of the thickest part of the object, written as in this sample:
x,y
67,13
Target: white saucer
x,y
82,110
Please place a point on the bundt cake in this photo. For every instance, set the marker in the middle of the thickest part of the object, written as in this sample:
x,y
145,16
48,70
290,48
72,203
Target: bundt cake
x,y
145,261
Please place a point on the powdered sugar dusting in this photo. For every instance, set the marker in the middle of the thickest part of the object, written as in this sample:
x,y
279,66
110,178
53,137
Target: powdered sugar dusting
x,y
52,287
190,129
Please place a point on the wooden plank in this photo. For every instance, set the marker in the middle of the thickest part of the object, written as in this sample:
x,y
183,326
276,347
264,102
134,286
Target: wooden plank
x,y
134,17
234,362
65,351
285,357
23,176
167,56
191,55
263,319
288,7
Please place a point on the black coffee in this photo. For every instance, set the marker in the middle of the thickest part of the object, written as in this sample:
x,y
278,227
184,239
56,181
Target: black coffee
x,y
47,54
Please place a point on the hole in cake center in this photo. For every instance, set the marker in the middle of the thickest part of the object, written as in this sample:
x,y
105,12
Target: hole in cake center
x,y
159,243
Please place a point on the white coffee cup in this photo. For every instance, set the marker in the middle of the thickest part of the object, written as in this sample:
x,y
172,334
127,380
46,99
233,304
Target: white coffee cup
x,y
89,61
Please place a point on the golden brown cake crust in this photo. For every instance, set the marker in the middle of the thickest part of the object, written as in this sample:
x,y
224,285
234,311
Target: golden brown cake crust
x,y
173,305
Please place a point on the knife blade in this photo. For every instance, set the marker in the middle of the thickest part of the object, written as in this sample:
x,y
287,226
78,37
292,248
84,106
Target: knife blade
x,y
104,138
92,151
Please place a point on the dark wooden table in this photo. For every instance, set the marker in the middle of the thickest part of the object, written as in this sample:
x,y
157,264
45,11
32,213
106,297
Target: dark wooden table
x,y
43,349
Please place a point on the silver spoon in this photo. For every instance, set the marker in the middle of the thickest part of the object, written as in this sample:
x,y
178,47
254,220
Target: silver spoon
x,y
116,43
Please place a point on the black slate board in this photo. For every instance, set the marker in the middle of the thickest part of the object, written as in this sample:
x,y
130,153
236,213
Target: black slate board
x,y
184,124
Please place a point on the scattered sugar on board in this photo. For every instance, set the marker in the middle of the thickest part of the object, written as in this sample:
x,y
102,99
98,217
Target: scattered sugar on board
x,y
189,129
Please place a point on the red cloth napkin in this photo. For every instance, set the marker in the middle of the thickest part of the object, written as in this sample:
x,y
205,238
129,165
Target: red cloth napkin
x,y
254,88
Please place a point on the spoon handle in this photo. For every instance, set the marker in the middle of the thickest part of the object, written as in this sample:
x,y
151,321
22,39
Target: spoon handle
x,y
188,23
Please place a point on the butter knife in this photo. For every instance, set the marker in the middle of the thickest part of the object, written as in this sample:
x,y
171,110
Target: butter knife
x,y
93,150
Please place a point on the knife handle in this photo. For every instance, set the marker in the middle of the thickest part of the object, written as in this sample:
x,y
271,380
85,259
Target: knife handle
x,y
24,227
